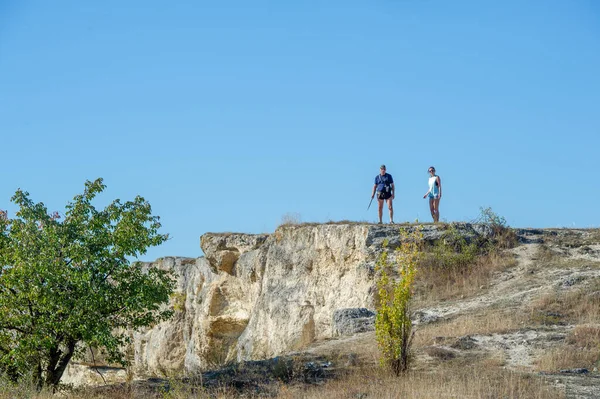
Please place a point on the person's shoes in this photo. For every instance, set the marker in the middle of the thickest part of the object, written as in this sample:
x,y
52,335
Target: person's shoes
x,y
379,222
391,222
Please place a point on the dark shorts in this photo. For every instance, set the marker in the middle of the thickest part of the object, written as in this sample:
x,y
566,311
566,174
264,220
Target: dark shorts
x,y
383,195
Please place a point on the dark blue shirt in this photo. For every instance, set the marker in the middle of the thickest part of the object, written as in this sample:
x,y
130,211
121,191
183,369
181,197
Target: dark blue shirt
x,y
383,181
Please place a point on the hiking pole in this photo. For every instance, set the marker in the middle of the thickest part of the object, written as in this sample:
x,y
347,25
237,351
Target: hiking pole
x,y
370,202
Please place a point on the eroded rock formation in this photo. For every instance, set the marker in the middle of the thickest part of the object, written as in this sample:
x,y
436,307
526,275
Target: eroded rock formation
x,y
259,296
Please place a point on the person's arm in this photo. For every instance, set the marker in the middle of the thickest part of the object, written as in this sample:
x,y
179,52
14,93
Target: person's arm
x,y
439,181
375,186
393,191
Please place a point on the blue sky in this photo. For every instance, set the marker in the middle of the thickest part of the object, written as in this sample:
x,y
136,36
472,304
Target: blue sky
x,y
228,115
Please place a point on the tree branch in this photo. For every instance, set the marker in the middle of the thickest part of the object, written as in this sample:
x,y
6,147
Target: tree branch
x,y
94,363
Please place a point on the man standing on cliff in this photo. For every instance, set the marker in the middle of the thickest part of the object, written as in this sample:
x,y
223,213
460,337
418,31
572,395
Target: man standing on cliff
x,y
384,186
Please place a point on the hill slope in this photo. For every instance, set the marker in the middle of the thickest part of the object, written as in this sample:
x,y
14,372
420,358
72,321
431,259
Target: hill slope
x,y
307,292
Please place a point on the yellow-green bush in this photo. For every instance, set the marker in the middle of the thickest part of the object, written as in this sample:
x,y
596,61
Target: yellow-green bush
x,y
393,327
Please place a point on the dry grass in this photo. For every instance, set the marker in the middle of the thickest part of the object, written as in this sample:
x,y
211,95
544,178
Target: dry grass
x,y
581,350
567,357
350,223
546,254
435,282
576,306
573,238
492,322
291,218
558,257
457,382
175,391
585,336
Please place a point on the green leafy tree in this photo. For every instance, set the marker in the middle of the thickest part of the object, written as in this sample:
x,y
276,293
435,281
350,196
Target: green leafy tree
x,y
393,327
66,283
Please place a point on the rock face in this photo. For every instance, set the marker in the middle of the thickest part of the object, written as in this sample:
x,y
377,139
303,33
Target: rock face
x,y
352,321
259,296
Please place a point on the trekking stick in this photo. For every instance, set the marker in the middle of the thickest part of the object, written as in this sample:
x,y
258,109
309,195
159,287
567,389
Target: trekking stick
x,y
370,202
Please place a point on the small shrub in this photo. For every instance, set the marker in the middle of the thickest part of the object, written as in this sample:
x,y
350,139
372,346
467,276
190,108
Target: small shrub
x,y
453,252
453,266
489,217
504,237
393,327
283,369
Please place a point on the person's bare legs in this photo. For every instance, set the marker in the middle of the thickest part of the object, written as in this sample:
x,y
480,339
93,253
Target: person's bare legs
x,y
436,207
391,208
432,208
380,202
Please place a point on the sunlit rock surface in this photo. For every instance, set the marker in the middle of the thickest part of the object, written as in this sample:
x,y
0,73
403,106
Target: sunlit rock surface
x,y
256,296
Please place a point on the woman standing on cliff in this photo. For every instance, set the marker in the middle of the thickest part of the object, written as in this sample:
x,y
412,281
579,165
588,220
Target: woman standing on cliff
x,y
434,194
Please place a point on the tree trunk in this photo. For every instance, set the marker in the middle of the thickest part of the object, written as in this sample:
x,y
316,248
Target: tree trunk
x,y
59,363
39,381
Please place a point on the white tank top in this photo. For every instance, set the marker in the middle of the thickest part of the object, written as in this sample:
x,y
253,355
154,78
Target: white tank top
x,y
433,188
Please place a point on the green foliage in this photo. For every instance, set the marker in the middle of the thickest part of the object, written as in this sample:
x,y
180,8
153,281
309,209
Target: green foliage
x,y
66,285
489,217
452,252
503,236
393,327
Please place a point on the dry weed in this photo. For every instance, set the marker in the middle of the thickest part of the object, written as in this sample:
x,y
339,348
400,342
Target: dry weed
x,y
488,323
559,258
434,283
568,357
577,306
585,336
456,382
574,238
290,218
581,350
545,254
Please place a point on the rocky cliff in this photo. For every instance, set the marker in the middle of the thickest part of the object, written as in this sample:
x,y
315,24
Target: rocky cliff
x,y
258,296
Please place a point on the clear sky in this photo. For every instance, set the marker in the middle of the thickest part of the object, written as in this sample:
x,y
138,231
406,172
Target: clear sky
x,y
228,115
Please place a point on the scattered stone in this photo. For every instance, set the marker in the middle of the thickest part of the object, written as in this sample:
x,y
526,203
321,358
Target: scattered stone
x,y
440,353
464,343
575,371
353,320
555,337
421,317
571,281
530,236
315,371
586,249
